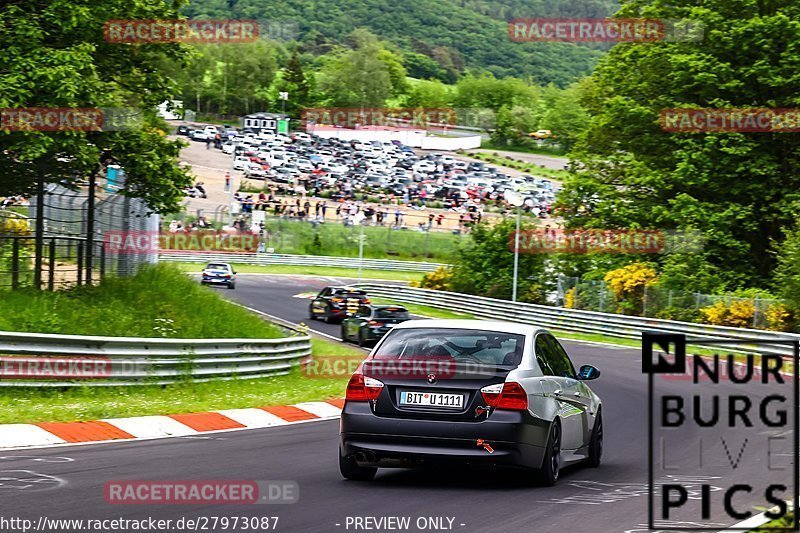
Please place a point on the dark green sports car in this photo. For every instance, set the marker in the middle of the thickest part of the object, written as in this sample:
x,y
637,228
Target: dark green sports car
x,y
371,322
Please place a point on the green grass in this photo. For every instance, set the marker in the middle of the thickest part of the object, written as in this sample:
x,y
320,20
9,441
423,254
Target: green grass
x,y
786,522
295,237
530,168
25,405
313,271
540,150
161,301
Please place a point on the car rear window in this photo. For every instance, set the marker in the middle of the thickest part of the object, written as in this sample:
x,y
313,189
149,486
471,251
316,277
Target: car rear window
x,y
391,312
462,345
216,266
350,294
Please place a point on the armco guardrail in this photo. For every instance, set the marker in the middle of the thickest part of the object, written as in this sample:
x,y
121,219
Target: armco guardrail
x,y
577,321
71,360
299,260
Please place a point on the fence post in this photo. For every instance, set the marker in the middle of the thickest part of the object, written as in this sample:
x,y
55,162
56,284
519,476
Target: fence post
x,y
102,260
80,263
602,295
90,227
644,301
755,313
15,262
39,235
52,270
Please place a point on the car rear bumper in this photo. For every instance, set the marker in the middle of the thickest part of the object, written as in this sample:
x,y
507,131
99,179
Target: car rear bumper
x,y
517,439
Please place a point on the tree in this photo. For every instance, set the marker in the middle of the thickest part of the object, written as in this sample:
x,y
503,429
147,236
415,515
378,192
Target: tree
x,y
429,94
567,119
486,265
739,189
294,82
54,55
357,77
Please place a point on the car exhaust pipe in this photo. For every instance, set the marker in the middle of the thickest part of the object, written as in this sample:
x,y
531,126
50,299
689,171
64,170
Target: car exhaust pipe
x,y
365,457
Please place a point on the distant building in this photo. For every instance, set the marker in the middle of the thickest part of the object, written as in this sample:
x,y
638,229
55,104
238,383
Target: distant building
x,y
174,114
263,121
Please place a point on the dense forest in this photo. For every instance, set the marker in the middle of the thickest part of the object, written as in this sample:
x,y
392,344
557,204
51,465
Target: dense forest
x,y
437,39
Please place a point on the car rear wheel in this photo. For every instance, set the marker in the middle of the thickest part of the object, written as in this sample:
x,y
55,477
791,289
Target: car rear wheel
x,y
548,474
344,334
350,470
231,286
596,442
362,342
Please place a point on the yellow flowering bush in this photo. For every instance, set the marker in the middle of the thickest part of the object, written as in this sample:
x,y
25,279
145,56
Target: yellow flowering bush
x,y
628,284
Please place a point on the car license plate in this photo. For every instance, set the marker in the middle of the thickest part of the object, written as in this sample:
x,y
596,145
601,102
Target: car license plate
x,y
432,399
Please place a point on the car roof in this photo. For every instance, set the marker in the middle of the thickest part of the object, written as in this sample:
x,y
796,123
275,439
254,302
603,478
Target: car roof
x,y
389,307
485,325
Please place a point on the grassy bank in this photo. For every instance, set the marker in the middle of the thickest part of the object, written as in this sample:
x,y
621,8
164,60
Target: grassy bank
x,y
161,301
539,150
530,168
313,271
333,239
25,405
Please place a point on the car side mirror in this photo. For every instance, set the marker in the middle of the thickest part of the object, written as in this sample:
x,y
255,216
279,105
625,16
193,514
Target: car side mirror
x,y
588,372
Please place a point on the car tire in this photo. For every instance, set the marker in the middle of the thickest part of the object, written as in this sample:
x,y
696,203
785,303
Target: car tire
x,y
311,315
551,464
362,342
596,442
350,469
344,335
231,286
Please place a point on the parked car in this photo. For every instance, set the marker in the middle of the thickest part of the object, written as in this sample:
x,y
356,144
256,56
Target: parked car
x,y
241,162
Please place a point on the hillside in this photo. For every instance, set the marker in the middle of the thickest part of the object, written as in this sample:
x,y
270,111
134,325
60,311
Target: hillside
x,y
457,34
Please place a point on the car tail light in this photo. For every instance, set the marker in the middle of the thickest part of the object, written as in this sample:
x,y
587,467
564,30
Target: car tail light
x,y
509,395
362,389
366,301
375,323
337,300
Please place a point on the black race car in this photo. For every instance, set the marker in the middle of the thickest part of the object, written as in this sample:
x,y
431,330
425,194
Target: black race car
x,y
371,322
333,303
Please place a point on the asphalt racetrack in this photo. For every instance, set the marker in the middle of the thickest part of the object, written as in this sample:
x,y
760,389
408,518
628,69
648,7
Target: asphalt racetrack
x,y
68,482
